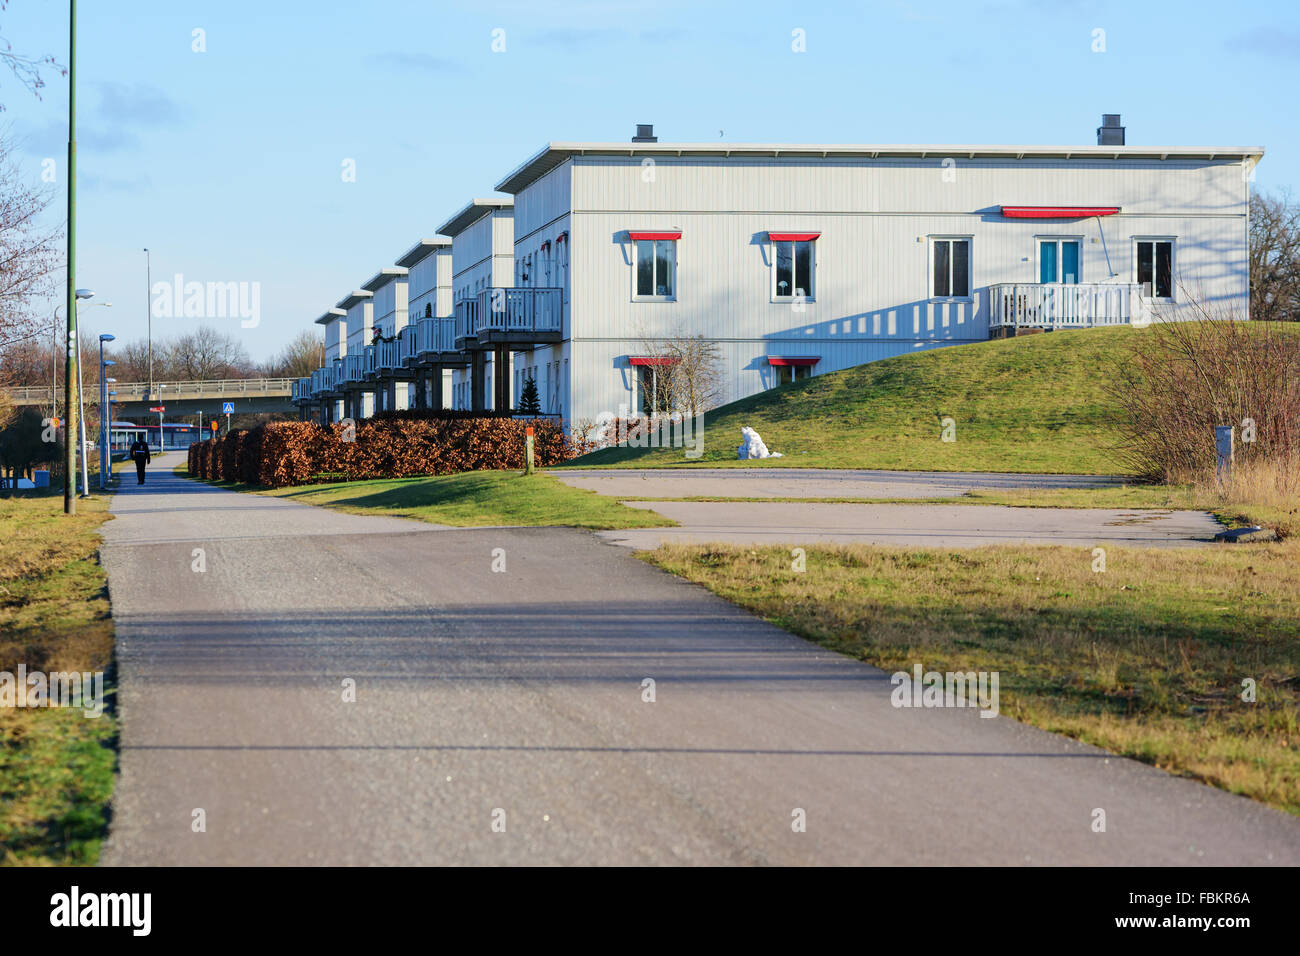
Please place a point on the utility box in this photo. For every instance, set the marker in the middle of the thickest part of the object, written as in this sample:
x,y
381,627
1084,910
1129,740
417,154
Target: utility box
x,y
1223,449
41,478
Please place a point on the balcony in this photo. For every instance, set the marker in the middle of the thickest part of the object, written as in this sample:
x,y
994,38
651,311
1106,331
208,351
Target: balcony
x,y
353,369
435,342
302,391
518,317
1045,306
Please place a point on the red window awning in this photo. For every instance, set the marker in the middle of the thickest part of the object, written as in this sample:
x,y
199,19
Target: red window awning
x,y
652,360
656,235
793,359
1057,212
793,236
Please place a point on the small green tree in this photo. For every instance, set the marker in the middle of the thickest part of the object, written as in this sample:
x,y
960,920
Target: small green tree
x,y
529,403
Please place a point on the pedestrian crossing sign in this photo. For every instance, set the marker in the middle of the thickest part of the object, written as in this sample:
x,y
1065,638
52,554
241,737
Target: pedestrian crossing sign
x,y
227,408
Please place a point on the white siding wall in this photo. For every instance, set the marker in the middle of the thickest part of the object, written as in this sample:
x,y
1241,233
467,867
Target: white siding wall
x,y
360,320
482,257
336,345
872,276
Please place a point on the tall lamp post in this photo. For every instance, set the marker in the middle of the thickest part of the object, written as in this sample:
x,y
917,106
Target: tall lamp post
x,y
104,456
81,404
148,312
71,363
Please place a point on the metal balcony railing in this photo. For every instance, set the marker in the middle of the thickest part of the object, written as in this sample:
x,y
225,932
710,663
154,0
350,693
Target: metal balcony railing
x,y
386,356
1065,305
369,353
354,367
406,344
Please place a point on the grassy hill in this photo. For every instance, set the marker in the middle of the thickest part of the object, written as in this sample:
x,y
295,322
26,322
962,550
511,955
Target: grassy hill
x,y
1035,403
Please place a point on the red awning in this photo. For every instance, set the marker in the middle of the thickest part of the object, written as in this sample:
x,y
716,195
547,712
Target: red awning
x,y
1057,212
793,359
656,235
793,236
652,360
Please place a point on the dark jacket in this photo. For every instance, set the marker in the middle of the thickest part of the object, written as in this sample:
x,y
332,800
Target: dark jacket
x,y
140,447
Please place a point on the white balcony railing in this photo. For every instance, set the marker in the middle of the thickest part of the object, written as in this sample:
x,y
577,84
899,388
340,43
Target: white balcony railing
x,y
1065,306
525,310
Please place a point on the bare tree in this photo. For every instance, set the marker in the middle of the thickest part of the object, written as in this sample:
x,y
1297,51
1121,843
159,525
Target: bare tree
x,y
204,353
686,372
302,356
28,252
1274,258
26,68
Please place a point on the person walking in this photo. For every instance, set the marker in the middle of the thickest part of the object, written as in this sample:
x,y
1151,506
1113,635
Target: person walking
x,y
140,453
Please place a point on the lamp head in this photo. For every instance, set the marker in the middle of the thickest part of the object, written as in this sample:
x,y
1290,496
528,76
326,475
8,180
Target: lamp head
x,y
85,293
105,337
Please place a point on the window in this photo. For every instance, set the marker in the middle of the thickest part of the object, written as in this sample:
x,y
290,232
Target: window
x,y
785,374
951,268
656,267
1155,267
792,269
428,310
1058,260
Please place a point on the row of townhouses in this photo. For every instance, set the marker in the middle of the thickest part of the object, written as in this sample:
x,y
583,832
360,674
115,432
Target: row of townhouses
x,y
796,260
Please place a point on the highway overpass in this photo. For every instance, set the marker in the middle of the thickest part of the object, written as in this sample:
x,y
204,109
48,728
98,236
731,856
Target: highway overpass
x,y
180,399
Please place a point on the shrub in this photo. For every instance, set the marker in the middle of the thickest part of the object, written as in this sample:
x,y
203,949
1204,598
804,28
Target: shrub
x,y
1180,379
399,445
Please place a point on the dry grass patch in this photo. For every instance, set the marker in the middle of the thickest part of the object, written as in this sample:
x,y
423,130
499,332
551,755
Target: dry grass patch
x,y
1146,659
56,766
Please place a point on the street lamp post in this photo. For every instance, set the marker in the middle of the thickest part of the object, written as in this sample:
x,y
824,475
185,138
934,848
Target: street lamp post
x,y
148,290
79,294
70,367
104,456
111,393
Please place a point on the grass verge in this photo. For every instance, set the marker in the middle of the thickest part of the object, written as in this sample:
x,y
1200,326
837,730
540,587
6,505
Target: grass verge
x,y
1145,659
56,765
472,499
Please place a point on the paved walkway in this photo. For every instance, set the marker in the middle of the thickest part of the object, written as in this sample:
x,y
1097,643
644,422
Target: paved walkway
x,y
520,691
767,481
946,526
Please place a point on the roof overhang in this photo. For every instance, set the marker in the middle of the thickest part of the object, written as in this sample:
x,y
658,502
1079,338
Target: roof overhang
x,y
421,250
384,276
355,296
1058,212
331,315
472,213
793,359
793,236
556,154
652,360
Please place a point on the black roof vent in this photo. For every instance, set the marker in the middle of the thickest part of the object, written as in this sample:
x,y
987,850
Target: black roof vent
x,y
1110,132
645,133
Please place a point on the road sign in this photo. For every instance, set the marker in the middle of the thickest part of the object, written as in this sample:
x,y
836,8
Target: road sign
x,y
227,407
214,426
158,408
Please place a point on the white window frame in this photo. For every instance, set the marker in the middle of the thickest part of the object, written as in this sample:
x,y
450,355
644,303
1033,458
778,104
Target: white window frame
x,y
1038,257
677,272
809,295
970,269
1173,265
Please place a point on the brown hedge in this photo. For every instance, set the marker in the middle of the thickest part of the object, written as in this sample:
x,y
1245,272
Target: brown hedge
x,y
278,454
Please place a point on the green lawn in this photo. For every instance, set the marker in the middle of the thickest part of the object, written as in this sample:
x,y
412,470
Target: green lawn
x,y
472,499
1035,403
56,765
1145,658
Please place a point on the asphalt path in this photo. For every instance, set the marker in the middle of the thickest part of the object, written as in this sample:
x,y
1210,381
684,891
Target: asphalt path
x,y
500,716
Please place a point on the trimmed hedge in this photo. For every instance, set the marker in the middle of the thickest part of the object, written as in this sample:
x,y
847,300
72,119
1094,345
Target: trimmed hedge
x,y
399,445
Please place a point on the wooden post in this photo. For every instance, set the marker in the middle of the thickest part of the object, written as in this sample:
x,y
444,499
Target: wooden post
x,y
528,450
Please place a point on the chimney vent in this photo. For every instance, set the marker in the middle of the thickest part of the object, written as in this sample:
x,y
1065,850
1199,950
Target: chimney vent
x,y
645,133
1110,132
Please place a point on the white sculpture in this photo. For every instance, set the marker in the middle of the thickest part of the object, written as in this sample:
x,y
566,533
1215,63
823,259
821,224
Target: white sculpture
x,y
753,446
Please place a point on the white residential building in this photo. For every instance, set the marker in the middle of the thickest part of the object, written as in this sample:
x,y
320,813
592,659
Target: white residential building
x,y
803,259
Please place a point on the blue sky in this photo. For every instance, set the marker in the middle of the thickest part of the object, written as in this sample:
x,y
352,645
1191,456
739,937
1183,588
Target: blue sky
x,y
227,163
